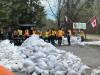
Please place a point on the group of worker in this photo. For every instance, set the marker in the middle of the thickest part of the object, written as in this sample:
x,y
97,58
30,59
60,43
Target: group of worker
x,y
49,36
52,35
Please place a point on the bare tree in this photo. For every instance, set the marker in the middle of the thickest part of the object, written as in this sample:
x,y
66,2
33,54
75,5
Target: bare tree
x,y
59,6
71,8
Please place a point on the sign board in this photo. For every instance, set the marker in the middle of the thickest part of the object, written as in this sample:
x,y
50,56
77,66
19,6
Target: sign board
x,y
79,25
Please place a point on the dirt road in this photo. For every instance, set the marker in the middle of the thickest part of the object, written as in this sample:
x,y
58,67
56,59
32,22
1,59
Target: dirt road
x,y
90,55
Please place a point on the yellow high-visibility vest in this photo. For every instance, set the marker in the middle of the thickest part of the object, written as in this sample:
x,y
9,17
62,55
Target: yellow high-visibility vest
x,y
53,33
46,34
34,32
20,32
82,34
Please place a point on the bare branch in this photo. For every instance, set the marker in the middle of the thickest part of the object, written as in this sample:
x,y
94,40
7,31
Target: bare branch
x,y
62,6
51,8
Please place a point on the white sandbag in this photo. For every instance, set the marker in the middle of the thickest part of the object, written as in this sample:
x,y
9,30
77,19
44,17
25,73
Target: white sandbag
x,y
64,41
42,64
39,55
38,70
23,56
34,73
45,72
51,65
83,69
72,72
27,62
95,71
52,72
60,72
30,69
33,58
45,60
65,63
60,67
16,67
51,58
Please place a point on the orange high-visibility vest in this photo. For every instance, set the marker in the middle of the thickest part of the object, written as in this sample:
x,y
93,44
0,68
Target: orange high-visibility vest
x,y
26,33
60,33
4,71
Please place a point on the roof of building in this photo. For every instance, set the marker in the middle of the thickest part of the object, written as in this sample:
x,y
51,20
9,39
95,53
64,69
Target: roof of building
x,y
26,25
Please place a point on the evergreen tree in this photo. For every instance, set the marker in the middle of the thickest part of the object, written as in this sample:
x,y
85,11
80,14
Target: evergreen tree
x,y
14,12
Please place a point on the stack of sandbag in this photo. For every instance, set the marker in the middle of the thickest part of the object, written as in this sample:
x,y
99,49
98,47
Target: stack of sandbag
x,y
45,59
9,55
74,41
96,71
92,43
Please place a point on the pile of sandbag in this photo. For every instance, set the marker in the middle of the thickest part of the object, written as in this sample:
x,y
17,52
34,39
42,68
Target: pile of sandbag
x,y
92,43
74,40
96,71
9,55
45,59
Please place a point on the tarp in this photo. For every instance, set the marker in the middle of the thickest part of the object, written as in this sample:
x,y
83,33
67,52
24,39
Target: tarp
x,y
4,71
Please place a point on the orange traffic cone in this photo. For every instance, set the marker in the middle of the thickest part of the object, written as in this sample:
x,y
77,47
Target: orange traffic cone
x,y
4,71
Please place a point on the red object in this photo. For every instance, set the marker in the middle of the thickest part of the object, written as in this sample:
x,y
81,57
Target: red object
x,y
93,22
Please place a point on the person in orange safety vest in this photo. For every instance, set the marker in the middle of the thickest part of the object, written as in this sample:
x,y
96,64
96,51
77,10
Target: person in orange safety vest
x,y
60,34
26,34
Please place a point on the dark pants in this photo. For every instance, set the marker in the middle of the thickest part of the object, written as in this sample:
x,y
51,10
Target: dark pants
x,y
59,41
46,39
26,37
15,41
20,39
82,38
68,38
52,38
49,39
1,36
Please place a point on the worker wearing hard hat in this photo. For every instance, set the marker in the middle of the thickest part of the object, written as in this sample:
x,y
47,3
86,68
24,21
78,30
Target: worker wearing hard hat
x,y
82,35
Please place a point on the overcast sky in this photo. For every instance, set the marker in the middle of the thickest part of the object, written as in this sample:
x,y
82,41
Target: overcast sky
x,y
47,8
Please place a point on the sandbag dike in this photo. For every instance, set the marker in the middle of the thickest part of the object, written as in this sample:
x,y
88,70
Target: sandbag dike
x,y
38,57
43,58
95,71
10,55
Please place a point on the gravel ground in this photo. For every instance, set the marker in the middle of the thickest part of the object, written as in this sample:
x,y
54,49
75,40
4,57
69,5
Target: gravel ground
x,y
93,37
19,73
90,55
